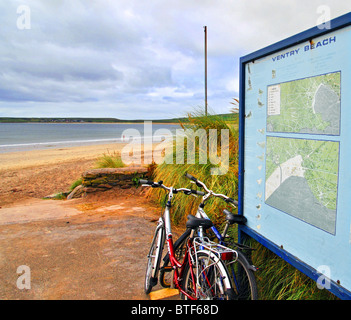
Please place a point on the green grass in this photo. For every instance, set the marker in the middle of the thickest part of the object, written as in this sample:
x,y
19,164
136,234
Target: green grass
x,y
276,279
173,174
75,184
59,196
110,161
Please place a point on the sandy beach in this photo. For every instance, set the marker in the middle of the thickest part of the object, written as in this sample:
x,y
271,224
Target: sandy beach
x,y
27,159
77,249
36,174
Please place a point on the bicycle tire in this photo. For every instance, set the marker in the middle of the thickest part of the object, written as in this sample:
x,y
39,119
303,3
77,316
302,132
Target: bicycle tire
x,y
179,250
166,269
242,278
211,274
241,273
154,259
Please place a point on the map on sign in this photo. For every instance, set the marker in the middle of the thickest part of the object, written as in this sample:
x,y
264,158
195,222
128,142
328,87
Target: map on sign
x,y
310,105
302,179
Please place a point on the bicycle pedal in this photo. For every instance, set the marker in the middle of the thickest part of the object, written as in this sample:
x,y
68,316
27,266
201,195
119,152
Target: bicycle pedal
x,y
167,269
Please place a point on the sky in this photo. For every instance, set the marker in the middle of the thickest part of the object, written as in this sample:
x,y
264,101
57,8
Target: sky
x,y
134,59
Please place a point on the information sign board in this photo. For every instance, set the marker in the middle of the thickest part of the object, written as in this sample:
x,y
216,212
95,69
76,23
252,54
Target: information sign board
x,y
295,154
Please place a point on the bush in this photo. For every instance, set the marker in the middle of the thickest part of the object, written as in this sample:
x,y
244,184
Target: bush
x,y
173,174
110,161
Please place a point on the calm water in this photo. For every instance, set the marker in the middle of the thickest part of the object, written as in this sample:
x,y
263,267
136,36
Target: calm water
x,y
33,136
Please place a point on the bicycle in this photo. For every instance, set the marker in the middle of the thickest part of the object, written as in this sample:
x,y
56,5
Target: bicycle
x,y
241,270
202,274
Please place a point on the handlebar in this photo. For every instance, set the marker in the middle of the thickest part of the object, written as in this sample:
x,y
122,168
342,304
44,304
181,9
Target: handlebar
x,y
199,193
151,183
197,182
200,184
160,184
189,176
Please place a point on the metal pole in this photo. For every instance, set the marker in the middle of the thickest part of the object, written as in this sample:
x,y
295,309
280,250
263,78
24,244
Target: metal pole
x,y
205,29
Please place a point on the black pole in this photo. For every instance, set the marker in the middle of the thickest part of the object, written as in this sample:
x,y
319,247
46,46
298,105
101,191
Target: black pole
x,y
205,29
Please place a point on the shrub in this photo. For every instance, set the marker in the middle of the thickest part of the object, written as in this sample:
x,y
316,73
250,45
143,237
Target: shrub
x,y
173,174
110,161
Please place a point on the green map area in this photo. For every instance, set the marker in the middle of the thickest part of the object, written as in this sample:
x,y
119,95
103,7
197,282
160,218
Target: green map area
x,y
302,179
310,105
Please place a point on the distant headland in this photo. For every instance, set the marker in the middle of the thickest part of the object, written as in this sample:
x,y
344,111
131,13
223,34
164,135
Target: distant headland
x,y
226,117
83,120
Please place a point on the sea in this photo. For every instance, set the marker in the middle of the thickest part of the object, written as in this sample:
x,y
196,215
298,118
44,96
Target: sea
x,y
16,137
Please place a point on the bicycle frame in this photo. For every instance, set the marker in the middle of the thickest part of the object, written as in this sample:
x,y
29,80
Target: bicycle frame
x,y
200,211
202,214
178,267
164,232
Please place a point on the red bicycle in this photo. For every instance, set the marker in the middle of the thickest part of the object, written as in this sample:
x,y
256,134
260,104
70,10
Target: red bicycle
x,y
202,273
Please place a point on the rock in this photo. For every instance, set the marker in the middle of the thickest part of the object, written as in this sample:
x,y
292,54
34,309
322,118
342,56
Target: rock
x,y
51,196
105,186
90,189
77,191
93,173
110,177
96,180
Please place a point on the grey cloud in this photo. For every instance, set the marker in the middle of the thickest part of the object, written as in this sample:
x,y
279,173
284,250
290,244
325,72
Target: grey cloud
x,y
132,58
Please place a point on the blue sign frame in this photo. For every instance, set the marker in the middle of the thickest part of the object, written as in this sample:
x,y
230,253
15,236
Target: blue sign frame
x,y
305,41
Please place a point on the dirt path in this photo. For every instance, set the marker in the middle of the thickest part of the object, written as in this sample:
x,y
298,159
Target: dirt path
x,y
92,248
17,185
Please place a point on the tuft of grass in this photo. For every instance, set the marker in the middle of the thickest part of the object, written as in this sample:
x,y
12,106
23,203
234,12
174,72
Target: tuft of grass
x,y
278,280
110,161
59,196
75,184
173,173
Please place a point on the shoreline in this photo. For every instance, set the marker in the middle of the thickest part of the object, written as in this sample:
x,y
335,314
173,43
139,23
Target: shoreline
x,y
17,160
127,122
34,158
23,141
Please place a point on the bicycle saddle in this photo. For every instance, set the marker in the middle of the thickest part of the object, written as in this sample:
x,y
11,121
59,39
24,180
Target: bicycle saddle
x,y
231,218
194,223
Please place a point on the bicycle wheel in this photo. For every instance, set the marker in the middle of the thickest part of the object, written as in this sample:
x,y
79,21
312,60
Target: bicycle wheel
x,y
242,278
179,249
153,259
207,278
